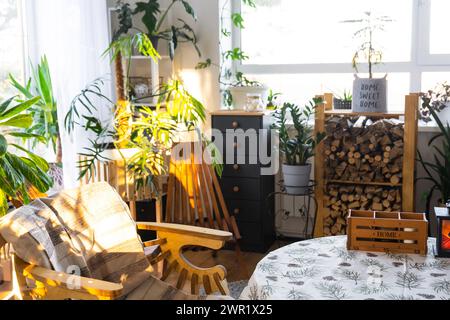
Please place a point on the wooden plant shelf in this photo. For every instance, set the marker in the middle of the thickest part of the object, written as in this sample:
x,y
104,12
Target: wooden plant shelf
x,y
383,184
349,113
396,193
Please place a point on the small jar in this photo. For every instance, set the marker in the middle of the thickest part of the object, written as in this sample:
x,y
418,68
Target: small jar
x,y
254,103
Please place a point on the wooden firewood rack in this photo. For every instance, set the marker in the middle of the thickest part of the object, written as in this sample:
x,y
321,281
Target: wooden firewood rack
x,y
406,185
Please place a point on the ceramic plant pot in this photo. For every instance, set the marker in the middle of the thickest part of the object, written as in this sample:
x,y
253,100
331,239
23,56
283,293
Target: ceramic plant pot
x,y
296,179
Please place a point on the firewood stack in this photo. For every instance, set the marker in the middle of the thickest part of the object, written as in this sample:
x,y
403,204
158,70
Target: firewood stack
x,y
365,152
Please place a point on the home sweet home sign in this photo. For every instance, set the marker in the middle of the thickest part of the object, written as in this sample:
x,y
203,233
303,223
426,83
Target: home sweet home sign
x,y
369,95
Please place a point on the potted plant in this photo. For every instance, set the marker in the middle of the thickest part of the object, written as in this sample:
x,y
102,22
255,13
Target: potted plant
x,y
297,146
438,172
44,113
343,102
437,99
272,103
240,89
153,20
19,172
234,85
369,94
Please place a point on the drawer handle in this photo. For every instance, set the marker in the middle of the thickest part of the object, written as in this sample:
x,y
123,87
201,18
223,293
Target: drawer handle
x,y
236,167
236,189
237,211
235,124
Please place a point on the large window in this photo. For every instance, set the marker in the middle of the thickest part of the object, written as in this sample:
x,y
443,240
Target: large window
x,y
11,45
302,48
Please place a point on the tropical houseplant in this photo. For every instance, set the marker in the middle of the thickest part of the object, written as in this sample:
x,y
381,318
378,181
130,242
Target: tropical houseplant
x,y
19,172
297,146
234,85
45,111
437,171
369,94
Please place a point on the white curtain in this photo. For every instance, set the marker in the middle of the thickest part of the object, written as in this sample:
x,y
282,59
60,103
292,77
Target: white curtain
x,y
73,34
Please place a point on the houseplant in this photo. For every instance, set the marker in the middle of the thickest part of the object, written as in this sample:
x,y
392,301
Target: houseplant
x,y
437,99
154,21
234,85
19,172
438,172
343,102
44,112
297,145
369,95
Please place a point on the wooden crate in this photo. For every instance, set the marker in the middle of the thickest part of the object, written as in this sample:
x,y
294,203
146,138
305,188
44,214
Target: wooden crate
x,y
395,232
406,186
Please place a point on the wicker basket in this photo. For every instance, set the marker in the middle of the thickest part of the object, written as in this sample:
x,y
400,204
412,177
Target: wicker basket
x,y
339,104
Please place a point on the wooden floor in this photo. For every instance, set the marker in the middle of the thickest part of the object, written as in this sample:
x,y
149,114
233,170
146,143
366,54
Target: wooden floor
x,y
235,271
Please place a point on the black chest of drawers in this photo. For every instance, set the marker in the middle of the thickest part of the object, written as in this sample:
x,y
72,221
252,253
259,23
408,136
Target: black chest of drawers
x,y
245,190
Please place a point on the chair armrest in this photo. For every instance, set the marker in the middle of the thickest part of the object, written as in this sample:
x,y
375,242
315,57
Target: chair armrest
x,y
73,283
186,230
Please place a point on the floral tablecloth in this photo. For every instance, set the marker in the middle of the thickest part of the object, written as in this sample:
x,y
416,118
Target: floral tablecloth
x,y
323,269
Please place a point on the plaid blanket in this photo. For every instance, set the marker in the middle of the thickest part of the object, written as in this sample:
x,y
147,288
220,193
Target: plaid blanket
x,y
87,231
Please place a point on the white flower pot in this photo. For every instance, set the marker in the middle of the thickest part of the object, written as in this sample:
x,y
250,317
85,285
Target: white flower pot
x,y
369,95
296,179
239,95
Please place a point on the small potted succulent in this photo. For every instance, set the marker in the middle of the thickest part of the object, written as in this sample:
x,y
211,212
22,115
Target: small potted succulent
x,y
297,145
343,102
242,88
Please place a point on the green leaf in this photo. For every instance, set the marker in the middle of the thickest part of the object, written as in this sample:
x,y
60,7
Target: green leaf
x,y
250,3
3,203
26,135
6,104
238,21
39,161
21,121
23,90
11,112
3,145
150,17
189,9
203,65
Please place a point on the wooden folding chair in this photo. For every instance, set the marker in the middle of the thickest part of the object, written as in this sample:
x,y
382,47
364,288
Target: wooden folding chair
x,y
194,196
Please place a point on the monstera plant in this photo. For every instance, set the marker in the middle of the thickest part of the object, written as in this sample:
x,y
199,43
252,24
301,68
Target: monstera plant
x,y
20,169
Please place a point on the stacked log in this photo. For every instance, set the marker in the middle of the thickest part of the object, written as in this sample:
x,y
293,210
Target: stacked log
x,y
363,151
339,199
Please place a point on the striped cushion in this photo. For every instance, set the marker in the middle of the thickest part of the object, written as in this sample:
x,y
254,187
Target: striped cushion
x,y
89,229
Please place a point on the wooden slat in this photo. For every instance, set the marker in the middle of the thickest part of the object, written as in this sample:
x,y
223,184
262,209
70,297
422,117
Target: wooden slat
x,y
182,279
319,169
205,196
410,151
172,267
210,190
197,196
170,193
194,284
207,284
218,283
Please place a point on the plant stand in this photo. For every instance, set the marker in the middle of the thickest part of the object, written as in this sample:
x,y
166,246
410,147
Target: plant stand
x,y
308,205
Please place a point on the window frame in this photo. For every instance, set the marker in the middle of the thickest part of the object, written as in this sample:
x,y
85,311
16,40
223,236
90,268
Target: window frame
x,y
421,59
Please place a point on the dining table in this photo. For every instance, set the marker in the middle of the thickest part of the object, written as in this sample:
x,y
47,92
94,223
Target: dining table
x,y
323,269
